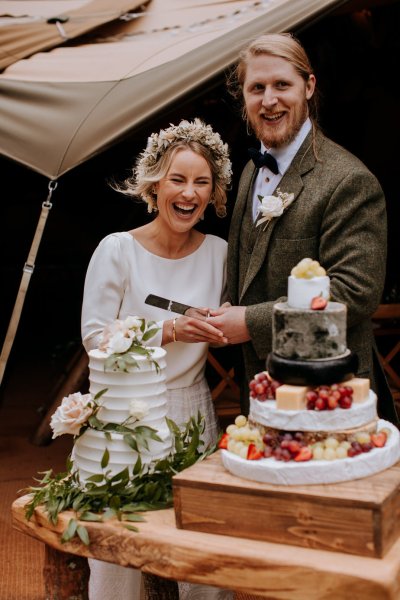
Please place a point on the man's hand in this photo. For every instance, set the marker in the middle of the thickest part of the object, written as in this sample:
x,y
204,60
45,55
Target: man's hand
x,y
231,321
197,313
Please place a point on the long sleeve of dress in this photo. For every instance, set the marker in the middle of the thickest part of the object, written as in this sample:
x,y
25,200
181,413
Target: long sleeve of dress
x,y
105,286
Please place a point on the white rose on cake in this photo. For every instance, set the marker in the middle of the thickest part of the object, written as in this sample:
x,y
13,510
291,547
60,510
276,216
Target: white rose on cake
x,y
138,409
119,342
73,412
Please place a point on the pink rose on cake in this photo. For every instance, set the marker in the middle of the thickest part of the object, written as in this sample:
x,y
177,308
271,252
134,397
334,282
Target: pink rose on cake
x,y
73,412
119,335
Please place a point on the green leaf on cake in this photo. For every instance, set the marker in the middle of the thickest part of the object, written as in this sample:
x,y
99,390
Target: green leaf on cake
x,y
149,334
105,459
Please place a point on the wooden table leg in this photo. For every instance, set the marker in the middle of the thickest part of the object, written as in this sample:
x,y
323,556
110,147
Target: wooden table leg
x,y
158,588
66,576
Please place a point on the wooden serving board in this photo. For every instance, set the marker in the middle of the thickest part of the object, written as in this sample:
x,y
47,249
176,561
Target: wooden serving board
x,y
357,517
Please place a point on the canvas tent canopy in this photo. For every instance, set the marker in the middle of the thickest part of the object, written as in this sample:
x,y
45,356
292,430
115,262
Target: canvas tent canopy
x,y
80,76
61,107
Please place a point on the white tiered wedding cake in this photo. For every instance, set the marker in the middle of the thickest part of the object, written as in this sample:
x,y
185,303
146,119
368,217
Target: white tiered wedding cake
x,y
124,415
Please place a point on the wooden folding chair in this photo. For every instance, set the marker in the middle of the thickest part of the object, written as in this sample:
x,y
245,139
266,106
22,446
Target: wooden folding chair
x,y
387,324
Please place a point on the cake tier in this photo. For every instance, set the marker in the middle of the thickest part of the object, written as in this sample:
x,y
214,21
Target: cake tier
x,y
89,449
266,413
300,333
269,470
302,291
312,372
144,383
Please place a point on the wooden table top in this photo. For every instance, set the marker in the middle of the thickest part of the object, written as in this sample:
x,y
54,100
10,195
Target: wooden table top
x,y
256,567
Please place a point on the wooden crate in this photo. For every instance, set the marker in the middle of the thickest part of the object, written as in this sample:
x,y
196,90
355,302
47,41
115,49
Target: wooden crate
x,y
357,517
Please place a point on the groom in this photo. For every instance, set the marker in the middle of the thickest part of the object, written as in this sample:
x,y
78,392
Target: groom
x,y
337,216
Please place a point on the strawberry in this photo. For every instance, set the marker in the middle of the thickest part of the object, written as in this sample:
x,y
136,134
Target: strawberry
x,y
223,442
253,453
304,454
379,439
294,447
318,303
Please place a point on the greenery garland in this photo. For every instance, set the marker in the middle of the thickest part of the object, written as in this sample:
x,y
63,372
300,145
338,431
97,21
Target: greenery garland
x,y
104,496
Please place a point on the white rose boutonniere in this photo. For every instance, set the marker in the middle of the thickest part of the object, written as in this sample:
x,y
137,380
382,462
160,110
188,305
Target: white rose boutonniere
x,y
273,206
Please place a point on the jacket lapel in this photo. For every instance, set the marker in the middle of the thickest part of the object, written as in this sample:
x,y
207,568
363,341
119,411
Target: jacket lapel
x,y
235,231
291,182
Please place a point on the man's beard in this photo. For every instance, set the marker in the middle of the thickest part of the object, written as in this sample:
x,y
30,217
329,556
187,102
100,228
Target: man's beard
x,y
288,136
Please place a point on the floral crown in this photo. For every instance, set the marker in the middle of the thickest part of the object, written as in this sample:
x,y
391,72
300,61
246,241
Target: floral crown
x,y
186,131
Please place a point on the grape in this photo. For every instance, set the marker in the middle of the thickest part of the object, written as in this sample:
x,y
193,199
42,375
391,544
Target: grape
x,y
253,384
363,437
240,421
329,454
341,452
331,442
307,269
320,404
243,452
243,433
366,446
318,453
254,435
234,434
286,455
311,395
345,402
345,444
268,439
263,376
231,445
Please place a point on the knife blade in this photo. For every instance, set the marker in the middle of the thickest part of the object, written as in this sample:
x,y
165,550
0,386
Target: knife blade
x,y
166,304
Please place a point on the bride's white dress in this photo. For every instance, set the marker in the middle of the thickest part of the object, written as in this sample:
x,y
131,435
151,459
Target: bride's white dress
x,y
121,274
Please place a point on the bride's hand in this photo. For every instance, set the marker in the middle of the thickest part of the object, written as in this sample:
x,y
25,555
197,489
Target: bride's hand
x,y
192,329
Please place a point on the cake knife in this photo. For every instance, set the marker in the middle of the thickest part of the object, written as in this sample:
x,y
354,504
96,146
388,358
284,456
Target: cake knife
x,y
166,304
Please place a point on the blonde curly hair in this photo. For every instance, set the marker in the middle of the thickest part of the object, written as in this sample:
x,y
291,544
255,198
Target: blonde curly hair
x,y
154,162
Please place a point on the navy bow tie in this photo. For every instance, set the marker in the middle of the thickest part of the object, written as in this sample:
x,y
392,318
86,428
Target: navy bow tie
x,y
263,160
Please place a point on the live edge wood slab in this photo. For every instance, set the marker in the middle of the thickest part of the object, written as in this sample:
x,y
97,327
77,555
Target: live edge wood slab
x,y
357,517
273,571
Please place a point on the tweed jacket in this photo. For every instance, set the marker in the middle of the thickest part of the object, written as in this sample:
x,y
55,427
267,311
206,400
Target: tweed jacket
x,y
338,217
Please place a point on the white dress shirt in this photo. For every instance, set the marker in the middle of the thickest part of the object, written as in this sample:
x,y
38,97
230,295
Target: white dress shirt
x,y
266,182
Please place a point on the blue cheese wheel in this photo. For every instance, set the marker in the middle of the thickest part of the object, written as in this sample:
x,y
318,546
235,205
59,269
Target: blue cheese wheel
x,y
301,333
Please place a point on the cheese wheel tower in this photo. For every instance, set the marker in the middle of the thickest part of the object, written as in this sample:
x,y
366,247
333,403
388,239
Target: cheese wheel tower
x,y
311,419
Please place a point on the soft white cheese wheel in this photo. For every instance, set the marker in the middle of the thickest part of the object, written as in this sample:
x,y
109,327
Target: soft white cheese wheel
x,y
302,291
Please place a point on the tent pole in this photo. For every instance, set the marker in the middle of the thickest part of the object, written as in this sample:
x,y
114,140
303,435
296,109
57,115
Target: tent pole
x,y
26,276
